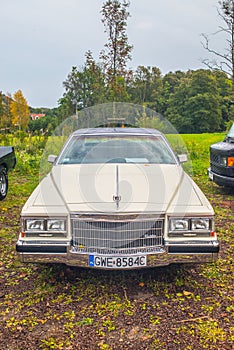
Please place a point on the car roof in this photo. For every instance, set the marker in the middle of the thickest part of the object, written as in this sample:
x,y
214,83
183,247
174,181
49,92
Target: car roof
x,y
119,131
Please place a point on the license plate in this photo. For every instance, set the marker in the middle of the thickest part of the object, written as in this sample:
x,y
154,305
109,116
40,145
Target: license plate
x,y
117,262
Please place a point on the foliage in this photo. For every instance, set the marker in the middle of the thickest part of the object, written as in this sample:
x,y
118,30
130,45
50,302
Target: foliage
x,y
85,86
44,125
5,113
194,101
20,110
195,104
28,149
146,87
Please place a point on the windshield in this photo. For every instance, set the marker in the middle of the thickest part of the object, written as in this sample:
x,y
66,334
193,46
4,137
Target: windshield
x,y
117,149
231,132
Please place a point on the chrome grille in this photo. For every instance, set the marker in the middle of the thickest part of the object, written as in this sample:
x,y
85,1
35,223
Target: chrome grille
x,y
116,234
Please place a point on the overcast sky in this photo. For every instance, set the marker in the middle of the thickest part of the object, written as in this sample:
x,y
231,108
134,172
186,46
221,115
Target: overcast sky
x,y
42,39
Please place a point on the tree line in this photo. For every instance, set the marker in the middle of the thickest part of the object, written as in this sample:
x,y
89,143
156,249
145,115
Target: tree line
x,y
193,102
15,115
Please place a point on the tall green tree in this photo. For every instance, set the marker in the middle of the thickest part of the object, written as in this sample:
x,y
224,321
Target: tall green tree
x,y
204,102
146,87
84,86
195,105
20,110
5,114
117,51
175,106
170,81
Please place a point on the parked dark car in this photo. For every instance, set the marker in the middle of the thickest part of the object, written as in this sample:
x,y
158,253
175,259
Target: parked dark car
x,y
221,169
7,162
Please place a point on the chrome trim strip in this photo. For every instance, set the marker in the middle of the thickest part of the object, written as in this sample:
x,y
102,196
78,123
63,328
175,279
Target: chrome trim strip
x,y
210,243
153,260
117,216
116,197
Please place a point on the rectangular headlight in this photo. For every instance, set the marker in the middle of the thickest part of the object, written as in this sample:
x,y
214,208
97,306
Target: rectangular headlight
x,y
34,225
56,225
179,224
223,161
200,224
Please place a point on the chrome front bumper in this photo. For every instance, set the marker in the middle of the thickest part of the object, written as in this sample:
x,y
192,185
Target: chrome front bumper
x,y
173,252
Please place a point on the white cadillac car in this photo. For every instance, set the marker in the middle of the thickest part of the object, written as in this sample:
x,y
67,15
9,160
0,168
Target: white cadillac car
x,y
117,198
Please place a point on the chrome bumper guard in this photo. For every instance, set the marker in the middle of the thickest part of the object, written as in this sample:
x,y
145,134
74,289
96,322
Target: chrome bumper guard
x,y
172,253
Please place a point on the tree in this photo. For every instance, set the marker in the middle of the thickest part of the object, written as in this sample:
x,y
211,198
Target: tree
x,y
175,109
84,86
5,114
224,60
20,110
195,105
146,87
204,102
225,92
45,125
117,50
170,81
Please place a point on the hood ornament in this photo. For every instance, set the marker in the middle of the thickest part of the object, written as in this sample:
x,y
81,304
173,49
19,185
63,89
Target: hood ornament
x,y
117,197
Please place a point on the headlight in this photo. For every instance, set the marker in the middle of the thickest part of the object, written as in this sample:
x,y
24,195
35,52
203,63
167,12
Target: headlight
x,y
35,225
55,225
200,224
223,161
179,225
42,227
191,227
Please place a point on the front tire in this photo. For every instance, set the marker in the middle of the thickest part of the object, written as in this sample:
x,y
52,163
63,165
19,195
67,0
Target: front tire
x,y
3,183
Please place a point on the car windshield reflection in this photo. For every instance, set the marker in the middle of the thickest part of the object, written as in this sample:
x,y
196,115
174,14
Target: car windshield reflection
x,y
124,149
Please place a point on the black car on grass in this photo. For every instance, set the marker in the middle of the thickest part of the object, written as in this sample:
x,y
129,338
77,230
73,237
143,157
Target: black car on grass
x,y
221,169
7,162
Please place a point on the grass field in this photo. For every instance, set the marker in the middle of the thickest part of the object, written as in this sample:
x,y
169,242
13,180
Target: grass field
x,y
58,307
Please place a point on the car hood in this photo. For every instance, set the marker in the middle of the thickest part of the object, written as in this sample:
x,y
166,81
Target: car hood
x,y
118,188
222,146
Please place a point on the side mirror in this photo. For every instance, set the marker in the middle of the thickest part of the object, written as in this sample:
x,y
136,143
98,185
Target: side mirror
x,y
183,158
52,158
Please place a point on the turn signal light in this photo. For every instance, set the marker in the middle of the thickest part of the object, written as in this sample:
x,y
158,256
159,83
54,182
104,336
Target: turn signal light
x,y
230,161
